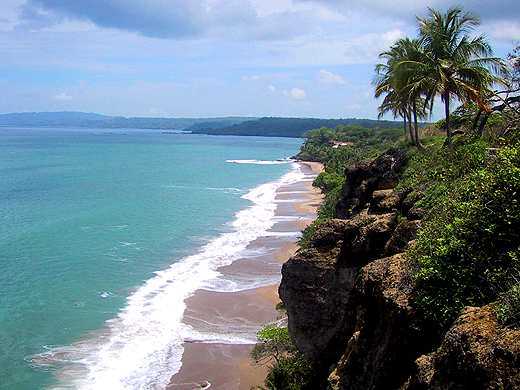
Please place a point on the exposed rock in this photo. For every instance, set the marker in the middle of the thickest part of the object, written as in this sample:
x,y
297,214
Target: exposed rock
x,y
317,296
365,237
415,213
365,178
329,234
384,201
402,236
476,353
318,284
384,343
348,297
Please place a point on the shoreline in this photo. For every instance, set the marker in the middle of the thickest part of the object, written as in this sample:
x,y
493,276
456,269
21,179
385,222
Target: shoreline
x,y
237,315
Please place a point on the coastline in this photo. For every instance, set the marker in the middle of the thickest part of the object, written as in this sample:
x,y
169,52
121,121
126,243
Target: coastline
x,y
237,315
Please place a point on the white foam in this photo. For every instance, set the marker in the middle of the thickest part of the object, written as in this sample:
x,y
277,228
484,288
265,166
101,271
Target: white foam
x,y
283,234
142,347
292,192
241,283
260,162
282,218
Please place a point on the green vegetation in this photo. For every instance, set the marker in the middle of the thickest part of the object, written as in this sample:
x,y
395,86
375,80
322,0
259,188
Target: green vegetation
x,y
323,145
288,370
467,183
467,250
447,61
287,127
468,247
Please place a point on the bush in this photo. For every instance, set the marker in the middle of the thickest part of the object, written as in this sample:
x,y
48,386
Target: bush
x,y
508,307
328,181
290,373
468,247
273,343
288,370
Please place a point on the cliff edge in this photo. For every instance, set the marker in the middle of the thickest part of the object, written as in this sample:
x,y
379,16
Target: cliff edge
x,y
348,297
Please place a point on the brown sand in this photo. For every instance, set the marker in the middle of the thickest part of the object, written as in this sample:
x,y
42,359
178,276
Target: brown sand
x,y
228,366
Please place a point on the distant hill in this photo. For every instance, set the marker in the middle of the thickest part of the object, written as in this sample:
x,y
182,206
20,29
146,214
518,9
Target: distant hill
x,y
267,127
286,127
82,119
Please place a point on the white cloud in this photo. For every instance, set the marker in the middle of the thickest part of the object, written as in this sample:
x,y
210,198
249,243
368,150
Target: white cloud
x,y
63,97
271,88
296,94
505,30
330,78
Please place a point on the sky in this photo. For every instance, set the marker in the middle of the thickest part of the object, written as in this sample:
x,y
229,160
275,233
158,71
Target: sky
x,y
201,58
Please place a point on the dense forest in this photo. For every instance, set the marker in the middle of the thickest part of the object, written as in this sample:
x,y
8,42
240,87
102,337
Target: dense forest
x,y
442,202
286,127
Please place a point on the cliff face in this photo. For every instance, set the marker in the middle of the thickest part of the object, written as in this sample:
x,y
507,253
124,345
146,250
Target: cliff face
x,y
348,300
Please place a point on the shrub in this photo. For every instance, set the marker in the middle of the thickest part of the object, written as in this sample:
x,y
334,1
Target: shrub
x,y
290,373
288,370
508,306
273,343
467,248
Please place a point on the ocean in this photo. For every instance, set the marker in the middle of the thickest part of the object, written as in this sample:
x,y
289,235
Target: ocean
x,y
104,233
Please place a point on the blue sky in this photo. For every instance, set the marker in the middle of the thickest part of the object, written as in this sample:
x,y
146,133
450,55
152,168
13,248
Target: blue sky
x,y
211,57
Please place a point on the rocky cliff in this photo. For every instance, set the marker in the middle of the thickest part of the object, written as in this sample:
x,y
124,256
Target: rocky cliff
x,y
348,297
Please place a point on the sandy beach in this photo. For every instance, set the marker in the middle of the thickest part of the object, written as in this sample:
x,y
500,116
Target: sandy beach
x,y
240,314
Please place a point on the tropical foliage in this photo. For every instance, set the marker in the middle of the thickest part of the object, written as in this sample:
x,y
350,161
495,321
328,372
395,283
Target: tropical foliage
x,y
337,149
467,251
444,61
288,369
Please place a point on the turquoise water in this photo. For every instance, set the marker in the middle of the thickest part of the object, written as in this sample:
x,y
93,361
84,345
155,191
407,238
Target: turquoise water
x,y
87,216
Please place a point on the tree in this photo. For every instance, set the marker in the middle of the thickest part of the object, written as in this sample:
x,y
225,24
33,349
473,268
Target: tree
x,y
506,103
273,343
396,81
455,65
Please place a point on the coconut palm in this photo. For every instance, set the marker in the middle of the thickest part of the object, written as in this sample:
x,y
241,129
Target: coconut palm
x,y
455,65
396,81
410,83
392,102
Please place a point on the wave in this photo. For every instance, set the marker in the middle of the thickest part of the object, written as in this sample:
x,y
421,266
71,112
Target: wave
x,y
142,348
241,283
261,162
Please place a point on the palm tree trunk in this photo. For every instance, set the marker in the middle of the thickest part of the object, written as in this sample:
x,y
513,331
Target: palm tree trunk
x,y
447,114
417,140
410,130
476,121
483,123
405,128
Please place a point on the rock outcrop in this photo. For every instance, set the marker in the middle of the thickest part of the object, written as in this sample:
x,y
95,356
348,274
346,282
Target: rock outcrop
x,y
476,353
348,295
363,179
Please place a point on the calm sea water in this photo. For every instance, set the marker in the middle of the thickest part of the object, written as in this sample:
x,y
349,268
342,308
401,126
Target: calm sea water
x,y
86,219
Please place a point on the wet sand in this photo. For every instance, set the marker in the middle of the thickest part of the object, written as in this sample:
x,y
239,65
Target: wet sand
x,y
240,314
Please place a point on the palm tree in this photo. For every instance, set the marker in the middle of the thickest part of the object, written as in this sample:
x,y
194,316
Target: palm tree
x,y
411,84
392,102
454,65
397,82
